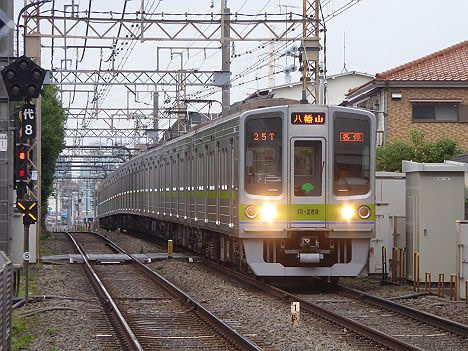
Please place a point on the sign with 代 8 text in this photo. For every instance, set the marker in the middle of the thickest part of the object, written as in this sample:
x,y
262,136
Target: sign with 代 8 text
x,y
27,118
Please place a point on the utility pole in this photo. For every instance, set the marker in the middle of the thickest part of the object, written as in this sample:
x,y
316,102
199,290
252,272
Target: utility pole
x,y
6,140
271,63
225,55
310,51
156,114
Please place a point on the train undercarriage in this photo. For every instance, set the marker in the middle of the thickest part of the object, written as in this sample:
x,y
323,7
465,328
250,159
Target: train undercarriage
x,y
300,254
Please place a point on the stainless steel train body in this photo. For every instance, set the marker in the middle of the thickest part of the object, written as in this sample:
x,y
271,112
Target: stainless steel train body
x,y
289,190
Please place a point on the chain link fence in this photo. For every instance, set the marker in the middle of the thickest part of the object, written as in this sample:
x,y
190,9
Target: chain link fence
x,y
6,300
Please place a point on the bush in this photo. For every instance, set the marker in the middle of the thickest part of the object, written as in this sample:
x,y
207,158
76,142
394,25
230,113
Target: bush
x,y
418,149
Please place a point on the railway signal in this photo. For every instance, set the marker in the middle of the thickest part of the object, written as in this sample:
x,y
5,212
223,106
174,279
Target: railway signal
x,y
23,79
22,171
29,210
22,163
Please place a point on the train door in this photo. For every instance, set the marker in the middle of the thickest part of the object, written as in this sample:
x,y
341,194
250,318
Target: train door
x,y
307,186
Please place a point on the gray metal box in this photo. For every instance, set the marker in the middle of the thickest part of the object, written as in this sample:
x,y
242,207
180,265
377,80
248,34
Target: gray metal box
x,y
390,209
434,202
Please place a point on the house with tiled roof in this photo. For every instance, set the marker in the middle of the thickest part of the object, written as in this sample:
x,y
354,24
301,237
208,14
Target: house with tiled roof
x,y
430,94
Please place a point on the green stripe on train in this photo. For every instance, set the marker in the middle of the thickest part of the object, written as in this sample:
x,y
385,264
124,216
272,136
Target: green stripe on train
x,y
309,212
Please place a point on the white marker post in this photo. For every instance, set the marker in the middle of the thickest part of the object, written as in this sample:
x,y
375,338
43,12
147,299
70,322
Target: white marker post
x,y
295,313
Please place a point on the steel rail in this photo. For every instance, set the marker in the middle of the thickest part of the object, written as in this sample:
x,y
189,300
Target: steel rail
x,y
421,316
238,339
371,334
101,291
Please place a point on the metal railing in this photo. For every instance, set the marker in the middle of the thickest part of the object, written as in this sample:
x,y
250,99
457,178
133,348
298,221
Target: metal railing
x,y
6,300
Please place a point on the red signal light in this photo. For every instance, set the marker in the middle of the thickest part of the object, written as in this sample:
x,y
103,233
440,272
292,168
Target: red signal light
x,y
22,155
22,173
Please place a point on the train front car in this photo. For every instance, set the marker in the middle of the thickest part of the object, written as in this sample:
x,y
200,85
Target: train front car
x,y
306,190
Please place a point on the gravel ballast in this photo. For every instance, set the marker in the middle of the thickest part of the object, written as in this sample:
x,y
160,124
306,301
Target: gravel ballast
x,y
134,244
443,307
77,328
251,312
266,317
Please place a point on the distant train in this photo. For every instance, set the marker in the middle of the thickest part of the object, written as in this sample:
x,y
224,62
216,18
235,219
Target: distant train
x,y
287,189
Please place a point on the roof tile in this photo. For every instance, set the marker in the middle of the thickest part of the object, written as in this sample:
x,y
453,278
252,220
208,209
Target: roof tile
x,y
450,64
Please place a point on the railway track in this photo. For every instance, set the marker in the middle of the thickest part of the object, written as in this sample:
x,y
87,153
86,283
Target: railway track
x,y
147,311
382,323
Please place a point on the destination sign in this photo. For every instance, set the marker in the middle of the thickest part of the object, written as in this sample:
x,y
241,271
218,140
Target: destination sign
x,y
308,118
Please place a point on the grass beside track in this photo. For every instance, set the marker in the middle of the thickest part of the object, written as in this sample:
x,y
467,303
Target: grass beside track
x,y
22,332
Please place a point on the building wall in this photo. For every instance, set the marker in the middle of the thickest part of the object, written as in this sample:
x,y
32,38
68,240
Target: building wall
x,y
400,121
337,87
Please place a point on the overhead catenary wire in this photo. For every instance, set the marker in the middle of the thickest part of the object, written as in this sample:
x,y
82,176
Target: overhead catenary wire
x,y
126,49
249,69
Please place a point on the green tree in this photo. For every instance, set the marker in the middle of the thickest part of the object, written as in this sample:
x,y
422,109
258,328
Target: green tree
x,y
52,139
417,149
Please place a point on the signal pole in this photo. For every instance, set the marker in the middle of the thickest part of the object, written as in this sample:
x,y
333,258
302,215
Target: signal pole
x,y
310,51
26,262
32,49
6,140
225,56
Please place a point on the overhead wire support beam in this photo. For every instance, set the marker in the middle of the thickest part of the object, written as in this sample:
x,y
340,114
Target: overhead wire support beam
x,y
168,27
105,133
132,77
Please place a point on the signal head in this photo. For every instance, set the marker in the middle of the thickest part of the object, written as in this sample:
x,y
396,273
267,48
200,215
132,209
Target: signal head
x,y
23,79
32,91
10,74
23,65
36,75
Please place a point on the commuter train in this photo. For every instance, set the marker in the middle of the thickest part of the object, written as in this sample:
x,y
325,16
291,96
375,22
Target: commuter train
x,y
288,190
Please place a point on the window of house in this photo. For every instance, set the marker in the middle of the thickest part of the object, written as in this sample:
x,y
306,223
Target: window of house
x,y
435,112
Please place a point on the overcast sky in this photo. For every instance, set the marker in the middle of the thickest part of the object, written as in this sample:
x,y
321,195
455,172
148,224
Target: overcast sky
x,y
380,34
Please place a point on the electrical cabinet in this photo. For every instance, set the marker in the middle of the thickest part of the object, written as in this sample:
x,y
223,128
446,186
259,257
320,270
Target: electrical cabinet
x,y
434,202
390,228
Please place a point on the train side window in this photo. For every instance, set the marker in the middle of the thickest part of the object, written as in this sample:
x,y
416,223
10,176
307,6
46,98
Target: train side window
x,y
263,155
308,168
351,170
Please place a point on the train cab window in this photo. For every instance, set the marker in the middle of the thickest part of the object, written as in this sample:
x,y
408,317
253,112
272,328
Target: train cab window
x,y
263,161
351,155
307,168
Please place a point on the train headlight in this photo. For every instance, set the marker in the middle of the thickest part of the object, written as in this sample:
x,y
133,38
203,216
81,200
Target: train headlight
x,y
347,212
364,212
268,212
251,211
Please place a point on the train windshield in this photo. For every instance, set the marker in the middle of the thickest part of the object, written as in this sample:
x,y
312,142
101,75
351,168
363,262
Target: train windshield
x,y
308,168
263,164
352,155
